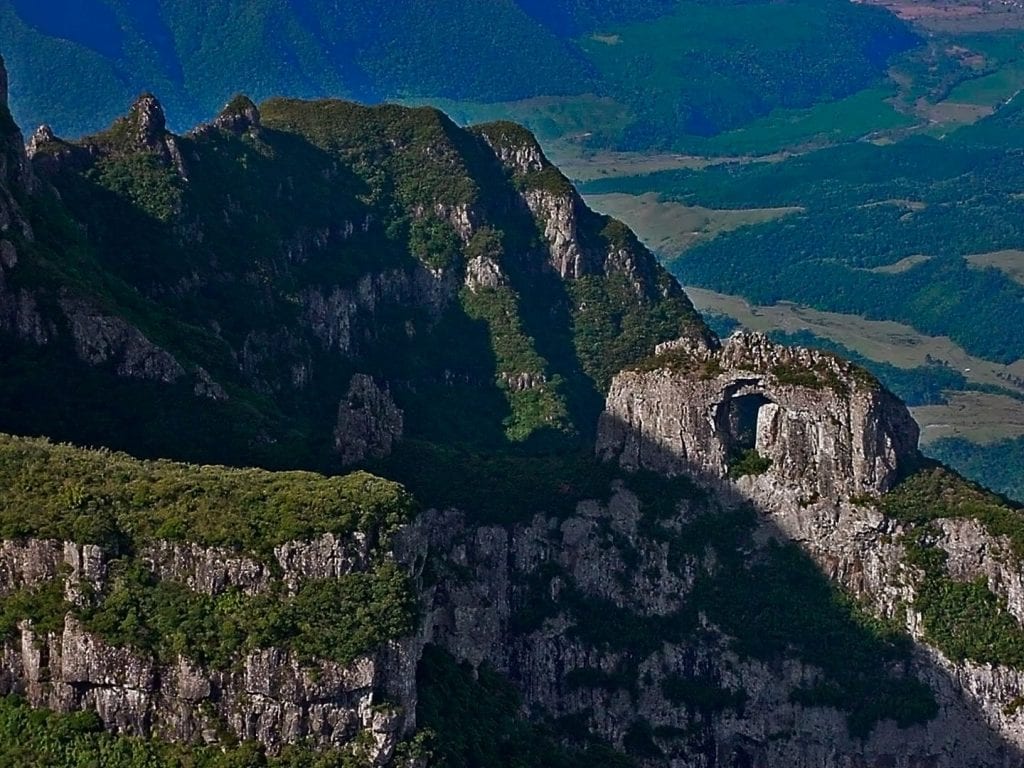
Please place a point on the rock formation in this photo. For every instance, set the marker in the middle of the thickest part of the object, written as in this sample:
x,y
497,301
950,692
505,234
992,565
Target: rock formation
x,y
369,422
270,696
828,429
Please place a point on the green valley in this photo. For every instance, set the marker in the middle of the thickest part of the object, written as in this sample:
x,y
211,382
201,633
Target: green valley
x,y
663,73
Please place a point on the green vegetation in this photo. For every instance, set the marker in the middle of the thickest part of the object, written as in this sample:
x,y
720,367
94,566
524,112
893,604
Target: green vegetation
x,y
43,605
477,721
749,463
61,492
667,71
999,466
833,122
708,67
336,619
434,242
867,207
143,179
32,738
934,492
964,620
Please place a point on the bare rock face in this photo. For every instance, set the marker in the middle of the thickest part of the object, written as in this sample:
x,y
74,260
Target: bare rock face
x,y
516,149
101,338
148,127
44,135
149,122
270,695
369,422
828,429
238,116
607,558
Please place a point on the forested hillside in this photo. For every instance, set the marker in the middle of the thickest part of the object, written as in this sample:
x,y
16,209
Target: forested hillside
x,y
705,61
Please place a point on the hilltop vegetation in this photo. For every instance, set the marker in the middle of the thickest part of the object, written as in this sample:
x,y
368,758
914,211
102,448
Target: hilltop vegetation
x,y
281,259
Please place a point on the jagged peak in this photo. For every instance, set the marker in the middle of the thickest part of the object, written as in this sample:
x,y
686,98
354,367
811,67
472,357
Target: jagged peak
x,y
43,136
147,117
516,147
238,115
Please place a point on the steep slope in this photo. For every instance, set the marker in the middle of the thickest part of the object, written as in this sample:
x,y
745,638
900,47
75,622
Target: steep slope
x,y
270,289
682,619
737,558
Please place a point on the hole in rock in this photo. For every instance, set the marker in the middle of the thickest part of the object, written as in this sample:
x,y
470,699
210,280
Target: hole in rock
x,y
737,423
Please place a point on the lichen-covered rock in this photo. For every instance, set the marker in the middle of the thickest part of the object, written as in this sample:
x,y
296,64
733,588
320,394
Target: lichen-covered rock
x,y
326,557
271,695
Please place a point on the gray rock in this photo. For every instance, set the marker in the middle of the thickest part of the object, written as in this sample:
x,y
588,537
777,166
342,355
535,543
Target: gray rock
x,y
829,430
101,338
369,422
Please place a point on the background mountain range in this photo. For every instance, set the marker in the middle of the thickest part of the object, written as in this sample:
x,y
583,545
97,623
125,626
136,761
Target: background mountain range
x,y
652,69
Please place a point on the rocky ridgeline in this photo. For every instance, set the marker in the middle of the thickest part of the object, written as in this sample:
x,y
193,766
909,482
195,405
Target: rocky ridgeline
x,y
269,695
827,441
507,219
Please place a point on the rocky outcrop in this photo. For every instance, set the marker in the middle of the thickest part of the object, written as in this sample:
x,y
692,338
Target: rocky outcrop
x,y
542,601
344,320
811,441
559,215
828,429
146,125
369,422
515,148
102,338
270,696
238,116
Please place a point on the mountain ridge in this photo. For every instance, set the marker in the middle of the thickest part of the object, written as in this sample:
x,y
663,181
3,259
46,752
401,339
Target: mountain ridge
x,y
758,569
451,223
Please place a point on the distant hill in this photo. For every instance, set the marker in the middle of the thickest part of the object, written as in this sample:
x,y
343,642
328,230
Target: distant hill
x,y
670,67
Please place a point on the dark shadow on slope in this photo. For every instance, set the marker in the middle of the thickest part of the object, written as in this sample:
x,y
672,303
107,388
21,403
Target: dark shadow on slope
x,y
757,594
773,602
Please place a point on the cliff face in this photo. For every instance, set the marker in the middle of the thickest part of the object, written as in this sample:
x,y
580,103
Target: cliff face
x,y
270,695
828,444
828,430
